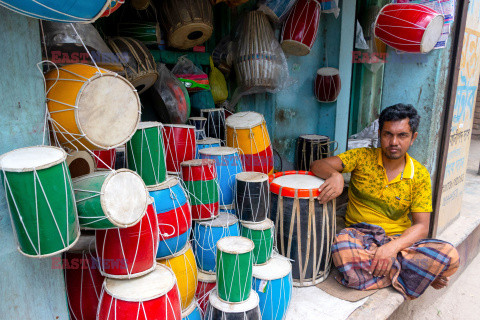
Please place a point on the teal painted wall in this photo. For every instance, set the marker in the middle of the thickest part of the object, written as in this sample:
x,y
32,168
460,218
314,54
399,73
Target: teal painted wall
x,y
29,288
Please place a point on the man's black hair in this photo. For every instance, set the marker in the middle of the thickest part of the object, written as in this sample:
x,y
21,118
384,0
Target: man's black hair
x,y
399,112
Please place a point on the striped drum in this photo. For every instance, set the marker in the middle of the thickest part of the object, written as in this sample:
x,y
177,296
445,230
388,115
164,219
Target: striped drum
x,y
179,142
262,235
215,127
206,283
105,159
207,143
192,312
252,196
246,310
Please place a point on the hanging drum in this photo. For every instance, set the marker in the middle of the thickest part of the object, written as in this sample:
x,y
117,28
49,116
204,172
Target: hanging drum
x,y
179,140
80,163
252,196
276,10
146,32
327,85
311,147
215,127
188,22
409,27
105,159
219,309
206,283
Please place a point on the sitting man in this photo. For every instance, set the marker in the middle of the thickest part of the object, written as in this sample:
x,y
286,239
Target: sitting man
x,y
381,246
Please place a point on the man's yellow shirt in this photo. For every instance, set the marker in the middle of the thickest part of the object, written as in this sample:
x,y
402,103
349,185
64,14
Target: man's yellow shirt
x,y
375,200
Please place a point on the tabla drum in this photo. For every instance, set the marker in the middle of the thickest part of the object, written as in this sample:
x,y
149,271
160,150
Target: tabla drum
x,y
110,199
246,310
40,199
305,229
276,10
207,143
327,85
153,296
262,234
192,312
206,235
179,140
252,196
199,124
311,147
91,108
300,29
183,265
206,283
146,153
273,284
105,159
187,22
114,5
146,32
409,27
215,127
200,179
80,163
128,253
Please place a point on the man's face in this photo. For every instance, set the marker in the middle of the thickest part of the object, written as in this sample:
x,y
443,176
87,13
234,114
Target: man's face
x,y
396,138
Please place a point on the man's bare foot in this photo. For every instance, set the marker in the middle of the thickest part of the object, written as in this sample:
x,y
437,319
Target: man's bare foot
x,y
440,282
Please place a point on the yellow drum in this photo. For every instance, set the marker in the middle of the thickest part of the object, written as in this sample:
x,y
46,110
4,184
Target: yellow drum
x,y
183,265
91,108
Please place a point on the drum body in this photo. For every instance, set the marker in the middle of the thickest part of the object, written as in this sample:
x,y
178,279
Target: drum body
x,y
192,312
80,163
89,110
144,31
206,234
40,200
105,159
246,310
112,7
174,216
262,234
252,196
206,283
179,145
409,27
107,199
146,154
311,147
300,29
199,124
305,229
277,10
327,85
207,143
215,127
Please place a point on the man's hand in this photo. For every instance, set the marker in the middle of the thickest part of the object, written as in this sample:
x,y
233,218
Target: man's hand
x,y
331,188
383,260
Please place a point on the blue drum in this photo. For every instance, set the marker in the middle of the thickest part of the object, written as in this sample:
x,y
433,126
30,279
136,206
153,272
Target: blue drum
x,y
276,10
206,235
228,165
207,143
192,312
228,209
273,283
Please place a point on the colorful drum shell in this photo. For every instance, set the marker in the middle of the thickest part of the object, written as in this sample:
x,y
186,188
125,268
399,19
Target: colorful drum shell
x,y
206,283
199,124
192,312
215,127
252,196
180,144
185,269
246,310
207,143
174,216
105,159
114,5
327,85
200,179
311,147
40,199
228,209
277,10
262,234
146,153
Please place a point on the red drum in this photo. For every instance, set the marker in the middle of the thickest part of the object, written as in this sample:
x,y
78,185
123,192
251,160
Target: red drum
x,y
300,30
153,296
129,252
105,159
206,283
409,27
179,142
327,84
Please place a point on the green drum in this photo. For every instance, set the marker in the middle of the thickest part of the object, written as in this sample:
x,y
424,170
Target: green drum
x,y
146,154
262,235
234,268
40,198
146,32
110,199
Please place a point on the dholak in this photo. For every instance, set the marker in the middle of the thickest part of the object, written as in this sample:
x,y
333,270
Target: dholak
x,y
206,283
246,310
276,10
327,84
91,108
300,29
200,178
192,312
146,154
179,140
247,131
199,123
409,27
311,147
40,199
262,234
187,22
207,143
273,284
252,196
80,163
185,269
110,199
146,32
215,127
173,214
153,296
206,235
228,164
305,228
129,252
105,159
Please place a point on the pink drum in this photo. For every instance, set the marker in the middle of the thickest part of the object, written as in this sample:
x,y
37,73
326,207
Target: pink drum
x,y
327,84
180,145
105,159
409,27
300,30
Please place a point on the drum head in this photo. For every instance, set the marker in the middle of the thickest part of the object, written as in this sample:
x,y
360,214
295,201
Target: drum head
x,y
206,277
218,151
251,176
149,124
432,34
170,183
299,181
208,141
244,120
30,158
247,305
275,268
184,126
223,219
189,309
198,163
190,35
328,72
264,225
235,245
315,137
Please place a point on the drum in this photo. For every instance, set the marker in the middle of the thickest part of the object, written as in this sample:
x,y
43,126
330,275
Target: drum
x,y
105,159
228,209
146,32
138,62
247,131
206,283
187,22
207,143
206,235
200,178
110,199
234,268
80,163
129,252
409,27
153,296
91,108
273,284
199,124
173,214
192,312
215,127
114,5
146,154
305,229
179,140
300,29
276,10
246,310
311,147
228,164
185,269
327,85
40,199
262,234
252,196
120,161
140,4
